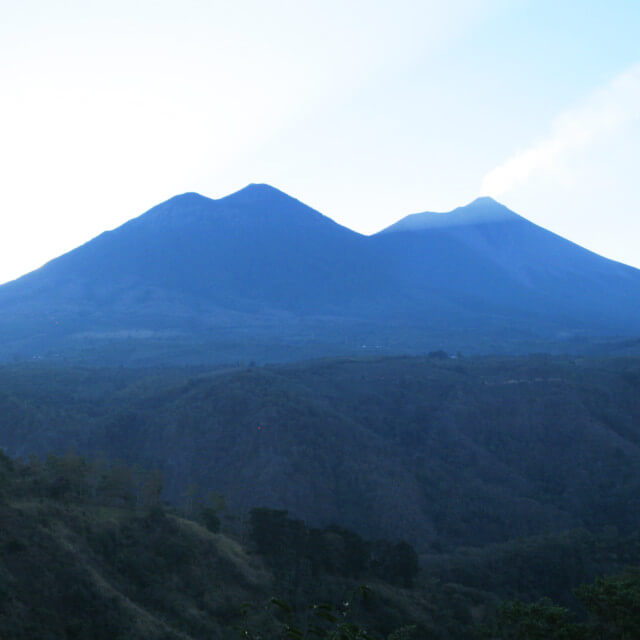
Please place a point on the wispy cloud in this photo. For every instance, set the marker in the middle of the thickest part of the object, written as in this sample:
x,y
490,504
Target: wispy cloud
x,y
606,110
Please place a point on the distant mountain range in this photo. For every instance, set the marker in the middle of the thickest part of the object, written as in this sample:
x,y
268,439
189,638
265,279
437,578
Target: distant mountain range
x,y
259,275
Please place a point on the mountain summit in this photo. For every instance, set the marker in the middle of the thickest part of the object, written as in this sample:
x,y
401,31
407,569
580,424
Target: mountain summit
x,y
480,211
257,203
259,274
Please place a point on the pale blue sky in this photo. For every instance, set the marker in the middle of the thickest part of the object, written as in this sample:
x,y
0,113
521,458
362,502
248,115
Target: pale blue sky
x,y
366,111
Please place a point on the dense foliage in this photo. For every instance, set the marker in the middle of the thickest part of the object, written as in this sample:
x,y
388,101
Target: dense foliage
x,y
437,451
446,485
89,550
613,613
289,544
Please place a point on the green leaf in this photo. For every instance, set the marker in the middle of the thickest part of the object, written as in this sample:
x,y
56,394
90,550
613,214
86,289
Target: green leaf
x,y
326,615
283,605
314,629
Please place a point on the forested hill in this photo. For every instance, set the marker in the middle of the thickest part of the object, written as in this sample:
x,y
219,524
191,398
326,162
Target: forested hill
x,y
88,551
441,452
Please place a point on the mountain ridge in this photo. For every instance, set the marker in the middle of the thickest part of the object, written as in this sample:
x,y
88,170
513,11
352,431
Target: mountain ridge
x,y
259,266
481,210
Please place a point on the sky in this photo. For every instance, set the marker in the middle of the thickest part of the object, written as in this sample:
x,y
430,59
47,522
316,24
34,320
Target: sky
x,y
366,111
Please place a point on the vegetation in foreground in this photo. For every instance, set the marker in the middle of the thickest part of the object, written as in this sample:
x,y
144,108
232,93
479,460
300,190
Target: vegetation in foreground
x,y
88,550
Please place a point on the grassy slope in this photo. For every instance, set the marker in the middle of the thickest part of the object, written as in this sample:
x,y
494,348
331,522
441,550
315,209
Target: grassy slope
x,y
74,565
72,571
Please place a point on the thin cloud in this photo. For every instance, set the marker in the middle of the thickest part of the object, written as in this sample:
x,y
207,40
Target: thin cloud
x,y
605,111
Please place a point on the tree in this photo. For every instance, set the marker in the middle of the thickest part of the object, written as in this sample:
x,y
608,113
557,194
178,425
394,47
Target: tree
x,y
395,562
614,605
210,519
540,620
152,486
321,622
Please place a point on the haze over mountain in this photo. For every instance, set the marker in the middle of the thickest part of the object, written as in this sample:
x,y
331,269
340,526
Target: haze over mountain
x,y
260,275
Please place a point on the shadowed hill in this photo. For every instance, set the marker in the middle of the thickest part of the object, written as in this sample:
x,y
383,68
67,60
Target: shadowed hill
x,y
436,451
87,552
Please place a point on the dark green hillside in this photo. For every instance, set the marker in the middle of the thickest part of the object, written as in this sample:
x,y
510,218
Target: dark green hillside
x,y
441,452
88,551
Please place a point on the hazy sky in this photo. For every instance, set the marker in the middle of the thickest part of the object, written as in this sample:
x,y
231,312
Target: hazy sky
x,y
366,111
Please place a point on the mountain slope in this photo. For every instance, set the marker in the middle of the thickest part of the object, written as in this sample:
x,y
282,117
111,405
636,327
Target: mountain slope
x,y
259,275
251,263
488,256
253,249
